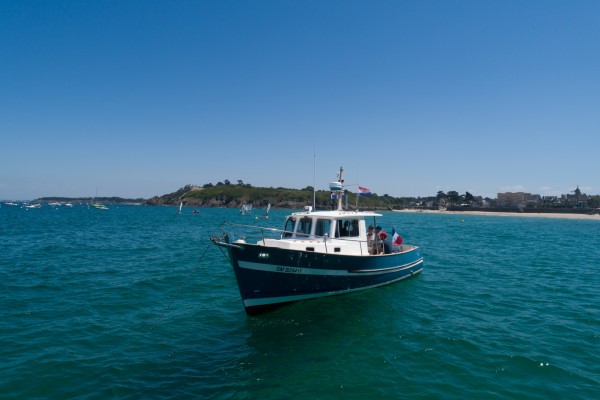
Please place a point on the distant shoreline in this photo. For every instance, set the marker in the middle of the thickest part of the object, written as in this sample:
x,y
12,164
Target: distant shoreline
x,y
595,217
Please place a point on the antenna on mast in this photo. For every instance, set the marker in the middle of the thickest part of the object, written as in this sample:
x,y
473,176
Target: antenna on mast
x,y
314,174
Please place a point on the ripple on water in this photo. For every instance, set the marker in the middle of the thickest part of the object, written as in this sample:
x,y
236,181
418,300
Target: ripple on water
x,y
125,304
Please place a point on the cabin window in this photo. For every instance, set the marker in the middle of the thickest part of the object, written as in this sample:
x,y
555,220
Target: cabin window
x,y
303,227
288,228
347,228
353,228
322,227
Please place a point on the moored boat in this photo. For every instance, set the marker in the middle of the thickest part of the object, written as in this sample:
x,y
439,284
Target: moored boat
x,y
246,209
318,253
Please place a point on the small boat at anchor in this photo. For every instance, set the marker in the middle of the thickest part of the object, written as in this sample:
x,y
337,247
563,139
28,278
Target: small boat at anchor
x,y
246,209
96,205
318,253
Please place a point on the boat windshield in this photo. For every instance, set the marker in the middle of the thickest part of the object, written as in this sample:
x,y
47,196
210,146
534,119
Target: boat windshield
x,y
322,227
300,227
288,228
297,227
303,227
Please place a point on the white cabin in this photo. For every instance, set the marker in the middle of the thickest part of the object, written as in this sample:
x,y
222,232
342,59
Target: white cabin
x,y
343,232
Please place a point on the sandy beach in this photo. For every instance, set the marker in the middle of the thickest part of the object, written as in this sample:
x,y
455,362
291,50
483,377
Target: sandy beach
x,y
595,217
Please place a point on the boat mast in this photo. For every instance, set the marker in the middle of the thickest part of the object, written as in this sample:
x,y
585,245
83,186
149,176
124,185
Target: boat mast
x,y
337,189
341,191
314,174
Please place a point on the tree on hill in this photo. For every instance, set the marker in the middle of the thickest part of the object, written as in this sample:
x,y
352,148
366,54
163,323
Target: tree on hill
x,y
453,196
469,197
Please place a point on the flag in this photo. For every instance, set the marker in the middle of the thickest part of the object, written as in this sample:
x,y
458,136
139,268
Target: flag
x,y
396,239
364,191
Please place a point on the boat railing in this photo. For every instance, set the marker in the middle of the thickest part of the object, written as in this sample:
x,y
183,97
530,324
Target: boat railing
x,y
260,233
242,231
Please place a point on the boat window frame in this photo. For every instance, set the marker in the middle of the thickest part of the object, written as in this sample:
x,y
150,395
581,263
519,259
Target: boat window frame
x,y
288,233
323,227
350,232
303,228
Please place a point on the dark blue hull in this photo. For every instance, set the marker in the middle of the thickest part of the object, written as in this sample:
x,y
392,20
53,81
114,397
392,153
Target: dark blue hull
x,y
268,277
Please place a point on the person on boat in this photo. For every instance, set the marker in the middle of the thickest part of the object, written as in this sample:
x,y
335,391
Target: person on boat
x,y
354,227
344,231
378,245
386,243
371,239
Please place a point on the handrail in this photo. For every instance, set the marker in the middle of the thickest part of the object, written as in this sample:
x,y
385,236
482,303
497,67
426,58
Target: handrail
x,y
300,236
262,229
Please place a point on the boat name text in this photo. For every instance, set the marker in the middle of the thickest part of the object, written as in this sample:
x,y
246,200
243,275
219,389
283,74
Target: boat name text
x,y
289,269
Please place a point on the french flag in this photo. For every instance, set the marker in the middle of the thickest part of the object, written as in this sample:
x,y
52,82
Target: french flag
x,y
364,191
396,239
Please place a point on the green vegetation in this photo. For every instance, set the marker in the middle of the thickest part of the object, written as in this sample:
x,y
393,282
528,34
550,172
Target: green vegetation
x,y
229,195
226,194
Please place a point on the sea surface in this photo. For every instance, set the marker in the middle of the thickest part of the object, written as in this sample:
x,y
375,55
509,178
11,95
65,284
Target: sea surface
x,y
136,303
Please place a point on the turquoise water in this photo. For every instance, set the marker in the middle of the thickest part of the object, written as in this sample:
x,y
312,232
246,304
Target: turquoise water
x,y
135,303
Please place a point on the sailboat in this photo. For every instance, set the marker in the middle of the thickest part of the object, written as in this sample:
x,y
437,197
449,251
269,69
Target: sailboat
x,y
266,214
180,206
246,209
97,206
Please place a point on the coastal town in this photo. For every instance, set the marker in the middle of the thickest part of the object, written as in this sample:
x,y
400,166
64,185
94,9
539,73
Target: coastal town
x,y
515,200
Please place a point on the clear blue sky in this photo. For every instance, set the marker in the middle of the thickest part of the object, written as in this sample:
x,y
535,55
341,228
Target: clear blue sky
x,y
139,98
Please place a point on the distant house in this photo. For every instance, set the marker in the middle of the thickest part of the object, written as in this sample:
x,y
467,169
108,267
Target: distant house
x,y
534,200
512,200
578,199
551,200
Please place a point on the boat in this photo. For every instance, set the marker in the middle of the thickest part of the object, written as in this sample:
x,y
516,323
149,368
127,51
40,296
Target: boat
x,y
316,254
180,207
36,205
246,209
266,214
98,206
